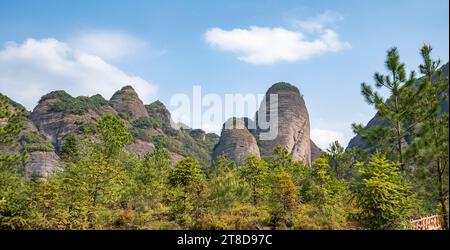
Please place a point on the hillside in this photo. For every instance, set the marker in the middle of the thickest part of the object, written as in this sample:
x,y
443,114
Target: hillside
x,y
59,115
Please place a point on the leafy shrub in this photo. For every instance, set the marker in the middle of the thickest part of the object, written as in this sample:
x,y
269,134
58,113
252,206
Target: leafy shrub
x,y
35,142
146,122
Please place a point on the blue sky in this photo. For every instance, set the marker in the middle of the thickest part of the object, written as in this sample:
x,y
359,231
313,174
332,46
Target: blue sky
x,y
166,47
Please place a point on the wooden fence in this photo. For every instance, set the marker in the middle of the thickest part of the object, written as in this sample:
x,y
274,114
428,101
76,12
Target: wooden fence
x,y
433,222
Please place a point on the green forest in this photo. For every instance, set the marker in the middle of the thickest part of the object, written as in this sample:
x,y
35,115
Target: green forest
x,y
403,175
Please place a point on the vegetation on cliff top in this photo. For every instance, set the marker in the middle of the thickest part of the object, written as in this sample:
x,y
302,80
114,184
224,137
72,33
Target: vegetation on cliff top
x,y
75,105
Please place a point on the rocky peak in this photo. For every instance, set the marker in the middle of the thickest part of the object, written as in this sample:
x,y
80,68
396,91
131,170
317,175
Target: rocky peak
x,y
56,94
236,142
293,123
292,129
58,114
283,88
127,103
158,111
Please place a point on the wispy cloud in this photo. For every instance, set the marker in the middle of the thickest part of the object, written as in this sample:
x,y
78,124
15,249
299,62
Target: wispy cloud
x,y
109,45
319,23
33,68
267,45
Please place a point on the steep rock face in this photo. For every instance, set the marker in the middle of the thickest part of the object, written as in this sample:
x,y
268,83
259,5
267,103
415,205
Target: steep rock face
x,y
140,147
127,103
236,143
42,164
316,152
55,118
293,123
42,160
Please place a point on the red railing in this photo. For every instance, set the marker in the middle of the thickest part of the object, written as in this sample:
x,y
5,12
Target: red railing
x,y
433,222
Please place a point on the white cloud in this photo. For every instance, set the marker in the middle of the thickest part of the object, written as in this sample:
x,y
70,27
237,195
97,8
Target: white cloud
x,y
324,137
318,23
109,45
36,67
265,45
212,127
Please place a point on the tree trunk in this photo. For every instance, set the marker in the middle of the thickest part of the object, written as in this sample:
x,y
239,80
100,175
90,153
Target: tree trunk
x,y
444,213
442,197
399,138
254,195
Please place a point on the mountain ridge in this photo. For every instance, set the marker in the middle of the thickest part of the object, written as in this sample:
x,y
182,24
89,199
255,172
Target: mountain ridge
x,y
58,115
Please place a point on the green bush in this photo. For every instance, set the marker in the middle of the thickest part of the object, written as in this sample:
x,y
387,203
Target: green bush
x,y
146,122
33,141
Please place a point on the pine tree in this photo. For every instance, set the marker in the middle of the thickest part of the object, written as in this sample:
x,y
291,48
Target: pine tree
x,y
284,199
336,159
70,151
395,111
188,176
113,134
254,172
322,179
147,180
95,183
223,164
50,205
15,192
14,189
226,189
156,168
383,196
329,196
430,146
11,124
283,160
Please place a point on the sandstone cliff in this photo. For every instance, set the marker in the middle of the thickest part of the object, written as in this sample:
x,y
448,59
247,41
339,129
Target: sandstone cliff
x,y
293,123
58,114
237,142
292,129
127,103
